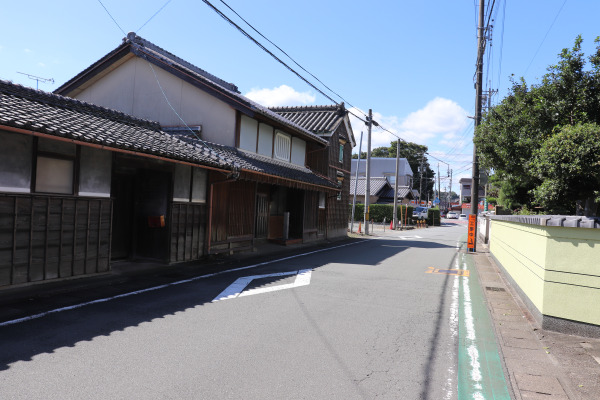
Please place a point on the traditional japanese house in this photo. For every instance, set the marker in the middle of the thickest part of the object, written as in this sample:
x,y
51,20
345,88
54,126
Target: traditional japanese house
x,y
331,123
277,193
82,185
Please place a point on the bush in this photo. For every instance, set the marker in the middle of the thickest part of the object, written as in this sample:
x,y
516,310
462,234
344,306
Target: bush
x,y
380,211
433,217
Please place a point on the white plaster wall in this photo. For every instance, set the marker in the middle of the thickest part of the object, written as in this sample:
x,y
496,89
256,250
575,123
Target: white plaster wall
x,y
298,151
133,89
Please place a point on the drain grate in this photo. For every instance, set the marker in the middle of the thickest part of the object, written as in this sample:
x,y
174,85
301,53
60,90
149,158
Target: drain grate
x,y
495,289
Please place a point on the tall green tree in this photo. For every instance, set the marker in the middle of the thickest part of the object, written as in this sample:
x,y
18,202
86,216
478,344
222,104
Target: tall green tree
x,y
512,137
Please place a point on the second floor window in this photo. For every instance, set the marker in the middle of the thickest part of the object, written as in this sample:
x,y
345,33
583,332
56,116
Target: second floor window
x,y
282,146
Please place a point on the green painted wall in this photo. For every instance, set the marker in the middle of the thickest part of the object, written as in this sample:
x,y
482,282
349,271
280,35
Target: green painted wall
x,y
557,268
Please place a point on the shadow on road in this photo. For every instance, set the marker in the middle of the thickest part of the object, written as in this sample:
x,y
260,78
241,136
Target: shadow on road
x,y
113,312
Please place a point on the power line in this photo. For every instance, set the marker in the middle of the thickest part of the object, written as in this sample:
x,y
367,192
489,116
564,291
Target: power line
x,y
111,17
153,15
256,42
288,56
545,36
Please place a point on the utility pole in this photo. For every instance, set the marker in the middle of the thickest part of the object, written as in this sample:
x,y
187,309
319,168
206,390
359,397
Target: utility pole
x,y
396,185
368,171
439,188
356,183
449,199
421,181
478,92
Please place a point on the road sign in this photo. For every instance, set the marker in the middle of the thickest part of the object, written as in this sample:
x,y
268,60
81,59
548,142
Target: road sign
x,y
471,232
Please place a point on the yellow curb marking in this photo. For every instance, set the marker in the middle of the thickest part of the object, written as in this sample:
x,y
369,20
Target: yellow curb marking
x,y
457,272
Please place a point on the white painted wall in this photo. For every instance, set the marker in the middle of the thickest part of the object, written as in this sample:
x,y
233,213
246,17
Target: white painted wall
x,y
265,140
248,133
133,89
298,151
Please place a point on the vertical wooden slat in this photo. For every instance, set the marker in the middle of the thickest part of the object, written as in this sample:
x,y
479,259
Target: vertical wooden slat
x,y
185,233
60,239
99,234
110,226
87,237
192,255
14,247
45,274
74,238
178,232
30,240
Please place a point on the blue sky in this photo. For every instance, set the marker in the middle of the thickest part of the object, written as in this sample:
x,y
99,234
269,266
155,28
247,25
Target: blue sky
x,y
412,62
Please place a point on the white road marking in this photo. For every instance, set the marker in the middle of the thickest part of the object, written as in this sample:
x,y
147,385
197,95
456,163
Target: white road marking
x,y
57,310
236,289
472,349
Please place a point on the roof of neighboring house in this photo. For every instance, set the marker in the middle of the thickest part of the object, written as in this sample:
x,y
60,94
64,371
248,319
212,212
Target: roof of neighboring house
x,y
381,166
256,163
377,186
322,120
154,54
31,110
403,192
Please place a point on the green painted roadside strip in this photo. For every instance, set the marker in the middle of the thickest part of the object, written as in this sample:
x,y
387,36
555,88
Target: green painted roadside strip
x,y
480,372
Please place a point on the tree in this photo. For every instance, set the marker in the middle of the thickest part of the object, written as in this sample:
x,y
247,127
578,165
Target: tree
x,y
413,153
512,137
568,164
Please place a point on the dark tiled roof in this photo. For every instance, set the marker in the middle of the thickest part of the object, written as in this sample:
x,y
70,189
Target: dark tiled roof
x,y
403,191
257,163
317,119
48,113
377,186
148,50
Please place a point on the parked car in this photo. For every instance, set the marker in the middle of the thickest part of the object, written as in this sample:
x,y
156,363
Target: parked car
x,y
452,215
462,217
420,212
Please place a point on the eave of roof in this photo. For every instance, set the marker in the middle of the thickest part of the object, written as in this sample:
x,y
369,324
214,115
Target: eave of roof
x,y
221,89
43,114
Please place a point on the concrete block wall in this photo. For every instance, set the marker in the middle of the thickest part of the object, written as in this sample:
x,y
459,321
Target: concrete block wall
x,y
554,262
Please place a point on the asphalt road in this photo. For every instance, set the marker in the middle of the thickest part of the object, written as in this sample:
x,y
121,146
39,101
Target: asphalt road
x,y
360,321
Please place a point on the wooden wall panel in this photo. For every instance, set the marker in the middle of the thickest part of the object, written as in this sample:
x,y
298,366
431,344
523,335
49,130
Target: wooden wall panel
x,y
188,226
48,237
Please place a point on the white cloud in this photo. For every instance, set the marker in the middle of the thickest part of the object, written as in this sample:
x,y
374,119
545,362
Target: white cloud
x,y
41,64
280,96
440,119
27,51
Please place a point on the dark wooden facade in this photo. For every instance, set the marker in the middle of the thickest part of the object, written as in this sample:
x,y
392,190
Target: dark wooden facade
x,y
49,237
337,206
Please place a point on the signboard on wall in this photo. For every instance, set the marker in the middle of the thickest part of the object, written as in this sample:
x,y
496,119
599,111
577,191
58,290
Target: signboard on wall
x,y
471,232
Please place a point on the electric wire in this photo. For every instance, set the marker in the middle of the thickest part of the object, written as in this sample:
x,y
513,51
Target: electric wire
x,y
154,15
545,36
111,17
215,153
256,42
287,55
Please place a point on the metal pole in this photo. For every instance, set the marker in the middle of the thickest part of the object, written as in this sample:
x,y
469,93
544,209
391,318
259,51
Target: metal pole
x,y
396,185
356,183
478,90
368,171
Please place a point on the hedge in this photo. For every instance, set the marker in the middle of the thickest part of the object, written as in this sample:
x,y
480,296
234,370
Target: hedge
x,y
433,217
377,212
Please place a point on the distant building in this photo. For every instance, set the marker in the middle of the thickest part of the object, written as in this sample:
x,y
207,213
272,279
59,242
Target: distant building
x,y
386,168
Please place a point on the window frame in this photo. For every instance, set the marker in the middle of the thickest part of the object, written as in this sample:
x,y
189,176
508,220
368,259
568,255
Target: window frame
x,y
57,156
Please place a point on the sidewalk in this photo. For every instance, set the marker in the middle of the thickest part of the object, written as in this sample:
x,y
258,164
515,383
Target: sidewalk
x,y
540,364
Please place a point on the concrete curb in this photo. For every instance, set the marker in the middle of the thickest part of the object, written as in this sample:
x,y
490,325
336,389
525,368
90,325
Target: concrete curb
x,y
539,364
